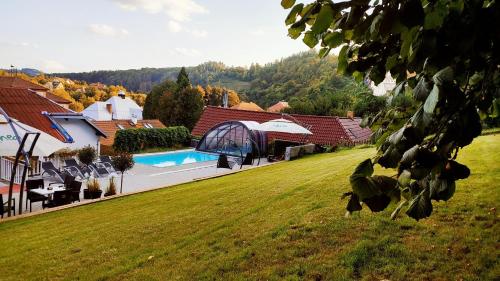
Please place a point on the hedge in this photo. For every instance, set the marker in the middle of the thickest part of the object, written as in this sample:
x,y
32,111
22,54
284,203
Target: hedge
x,y
135,140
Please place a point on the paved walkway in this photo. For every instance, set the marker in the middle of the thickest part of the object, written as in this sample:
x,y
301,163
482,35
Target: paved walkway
x,y
143,177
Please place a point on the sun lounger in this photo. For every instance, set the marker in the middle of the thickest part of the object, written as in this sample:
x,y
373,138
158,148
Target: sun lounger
x,y
107,162
75,169
50,170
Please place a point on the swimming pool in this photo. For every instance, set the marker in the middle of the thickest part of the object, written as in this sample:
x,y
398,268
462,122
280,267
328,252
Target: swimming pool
x,y
168,159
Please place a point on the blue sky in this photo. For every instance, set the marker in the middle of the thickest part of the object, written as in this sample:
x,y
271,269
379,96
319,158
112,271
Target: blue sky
x,y
84,35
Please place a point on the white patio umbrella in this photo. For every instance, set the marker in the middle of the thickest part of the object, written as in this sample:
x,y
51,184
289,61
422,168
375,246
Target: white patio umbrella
x,y
284,126
45,146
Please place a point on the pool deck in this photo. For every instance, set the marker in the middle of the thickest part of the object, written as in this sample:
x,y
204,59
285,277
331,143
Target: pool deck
x,y
144,177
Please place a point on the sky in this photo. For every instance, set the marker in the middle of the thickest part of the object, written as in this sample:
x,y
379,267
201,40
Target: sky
x,y
86,35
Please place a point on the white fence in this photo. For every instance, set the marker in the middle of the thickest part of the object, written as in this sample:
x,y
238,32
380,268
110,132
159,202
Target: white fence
x,y
7,164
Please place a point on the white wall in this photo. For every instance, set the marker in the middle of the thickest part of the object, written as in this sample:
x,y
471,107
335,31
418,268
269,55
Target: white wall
x,y
83,134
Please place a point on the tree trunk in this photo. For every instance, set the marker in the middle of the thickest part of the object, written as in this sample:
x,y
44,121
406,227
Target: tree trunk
x,y
121,185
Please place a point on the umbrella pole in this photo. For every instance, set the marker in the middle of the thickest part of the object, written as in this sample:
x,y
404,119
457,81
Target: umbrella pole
x,y
13,173
25,170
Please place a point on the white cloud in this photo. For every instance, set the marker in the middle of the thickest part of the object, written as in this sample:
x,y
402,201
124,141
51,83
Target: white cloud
x,y
53,66
174,26
199,33
107,30
186,52
178,10
257,32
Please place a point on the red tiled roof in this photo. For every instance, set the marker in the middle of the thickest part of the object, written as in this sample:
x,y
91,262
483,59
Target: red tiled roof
x,y
278,107
327,130
57,99
111,127
18,83
27,107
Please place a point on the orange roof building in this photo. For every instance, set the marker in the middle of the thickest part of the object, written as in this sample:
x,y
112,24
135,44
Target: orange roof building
x,y
110,127
278,107
247,106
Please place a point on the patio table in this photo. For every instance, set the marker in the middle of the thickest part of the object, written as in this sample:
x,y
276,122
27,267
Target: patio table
x,y
48,192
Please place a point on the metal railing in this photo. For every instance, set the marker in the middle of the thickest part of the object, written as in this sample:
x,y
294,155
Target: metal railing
x,y
6,165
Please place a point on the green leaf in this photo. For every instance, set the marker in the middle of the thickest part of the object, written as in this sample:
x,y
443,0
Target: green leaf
x,y
292,16
432,100
310,39
420,206
435,18
409,156
353,205
342,65
442,189
443,76
391,62
407,37
287,4
404,178
456,171
334,39
323,20
364,169
323,52
388,186
377,203
374,28
364,187
421,90
295,32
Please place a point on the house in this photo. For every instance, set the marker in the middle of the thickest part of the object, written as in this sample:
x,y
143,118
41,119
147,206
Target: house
x,y
278,107
247,106
327,130
387,85
115,108
13,82
110,127
54,85
41,113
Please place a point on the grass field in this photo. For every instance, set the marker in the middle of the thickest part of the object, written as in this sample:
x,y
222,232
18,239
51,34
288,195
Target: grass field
x,y
284,221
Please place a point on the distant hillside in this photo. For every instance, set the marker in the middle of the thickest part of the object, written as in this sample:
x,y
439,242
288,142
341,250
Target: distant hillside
x,y
301,75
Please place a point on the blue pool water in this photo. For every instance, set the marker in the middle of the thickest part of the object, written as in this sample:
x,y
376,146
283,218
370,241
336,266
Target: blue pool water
x,y
174,158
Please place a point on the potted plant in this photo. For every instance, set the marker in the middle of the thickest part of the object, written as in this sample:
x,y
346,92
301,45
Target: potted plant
x,y
93,190
87,155
111,190
123,162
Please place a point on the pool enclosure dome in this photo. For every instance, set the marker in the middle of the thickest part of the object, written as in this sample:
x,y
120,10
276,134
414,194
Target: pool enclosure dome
x,y
235,138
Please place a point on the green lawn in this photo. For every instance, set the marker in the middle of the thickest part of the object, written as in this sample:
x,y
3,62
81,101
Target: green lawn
x,y
284,221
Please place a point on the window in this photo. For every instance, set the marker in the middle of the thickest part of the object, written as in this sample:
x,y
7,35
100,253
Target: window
x,y
120,127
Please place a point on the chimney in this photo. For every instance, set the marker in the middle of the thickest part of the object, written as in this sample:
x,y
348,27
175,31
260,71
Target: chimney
x,y
109,108
350,114
121,94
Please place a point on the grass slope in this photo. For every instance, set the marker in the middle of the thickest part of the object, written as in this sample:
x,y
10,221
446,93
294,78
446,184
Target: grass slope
x,y
279,222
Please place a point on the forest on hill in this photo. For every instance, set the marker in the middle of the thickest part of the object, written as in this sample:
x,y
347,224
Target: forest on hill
x,y
299,79
80,93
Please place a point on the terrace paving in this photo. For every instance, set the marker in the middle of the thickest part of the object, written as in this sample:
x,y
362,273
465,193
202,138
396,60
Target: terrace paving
x,y
144,177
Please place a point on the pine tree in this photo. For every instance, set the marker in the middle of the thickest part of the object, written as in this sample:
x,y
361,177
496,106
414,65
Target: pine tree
x,y
183,79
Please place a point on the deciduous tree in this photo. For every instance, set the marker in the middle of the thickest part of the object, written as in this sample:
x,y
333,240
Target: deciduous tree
x,y
445,53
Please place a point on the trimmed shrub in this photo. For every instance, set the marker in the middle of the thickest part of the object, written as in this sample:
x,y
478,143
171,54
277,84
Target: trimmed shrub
x,y
87,155
134,140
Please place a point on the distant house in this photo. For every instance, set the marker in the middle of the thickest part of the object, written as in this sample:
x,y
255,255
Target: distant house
x,y
41,113
383,87
327,130
115,108
278,107
247,106
54,85
110,127
10,82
